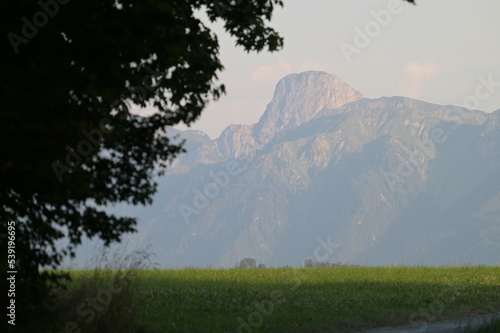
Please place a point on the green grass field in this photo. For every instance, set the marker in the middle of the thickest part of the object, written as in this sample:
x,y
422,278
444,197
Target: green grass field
x,y
344,299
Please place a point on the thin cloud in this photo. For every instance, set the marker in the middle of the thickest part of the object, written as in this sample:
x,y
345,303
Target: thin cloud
x,y
311,65
272,72
417,73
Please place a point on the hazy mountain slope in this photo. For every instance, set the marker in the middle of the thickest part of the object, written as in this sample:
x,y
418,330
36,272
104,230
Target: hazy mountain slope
x,y
457,218
388,180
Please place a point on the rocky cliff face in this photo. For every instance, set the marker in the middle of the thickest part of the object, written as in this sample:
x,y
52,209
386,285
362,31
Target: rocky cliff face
x,y
297,99
237,141
379,181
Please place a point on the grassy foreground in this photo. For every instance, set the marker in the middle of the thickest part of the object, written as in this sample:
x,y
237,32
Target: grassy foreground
x,y
344,299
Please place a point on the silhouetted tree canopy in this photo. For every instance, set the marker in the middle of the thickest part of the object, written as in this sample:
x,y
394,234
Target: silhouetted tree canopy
x,y
310,262
248,263
70,72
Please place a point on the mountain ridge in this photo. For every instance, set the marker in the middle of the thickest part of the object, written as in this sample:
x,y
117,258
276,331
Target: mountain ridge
x,y
385,180
285,111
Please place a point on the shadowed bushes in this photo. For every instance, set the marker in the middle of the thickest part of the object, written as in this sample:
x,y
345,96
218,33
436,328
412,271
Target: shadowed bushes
x,y
102,299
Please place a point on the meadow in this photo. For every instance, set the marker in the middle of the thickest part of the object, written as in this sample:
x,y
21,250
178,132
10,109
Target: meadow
x,y
338,299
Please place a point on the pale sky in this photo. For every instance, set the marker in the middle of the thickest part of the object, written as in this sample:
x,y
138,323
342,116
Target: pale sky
x,y
435,51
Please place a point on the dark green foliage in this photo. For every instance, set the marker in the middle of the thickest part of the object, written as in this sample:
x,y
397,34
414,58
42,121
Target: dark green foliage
x,y
493,327
248,263
69,142
102,299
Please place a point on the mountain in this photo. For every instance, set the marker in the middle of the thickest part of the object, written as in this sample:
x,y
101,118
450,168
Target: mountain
x,y
297,99
328,174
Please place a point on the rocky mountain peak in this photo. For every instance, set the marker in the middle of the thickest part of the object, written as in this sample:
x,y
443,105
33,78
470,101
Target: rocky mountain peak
x,y
298,98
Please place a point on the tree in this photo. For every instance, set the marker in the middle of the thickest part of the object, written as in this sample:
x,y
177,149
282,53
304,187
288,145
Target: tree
x,y
70,144
248,263
310,262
